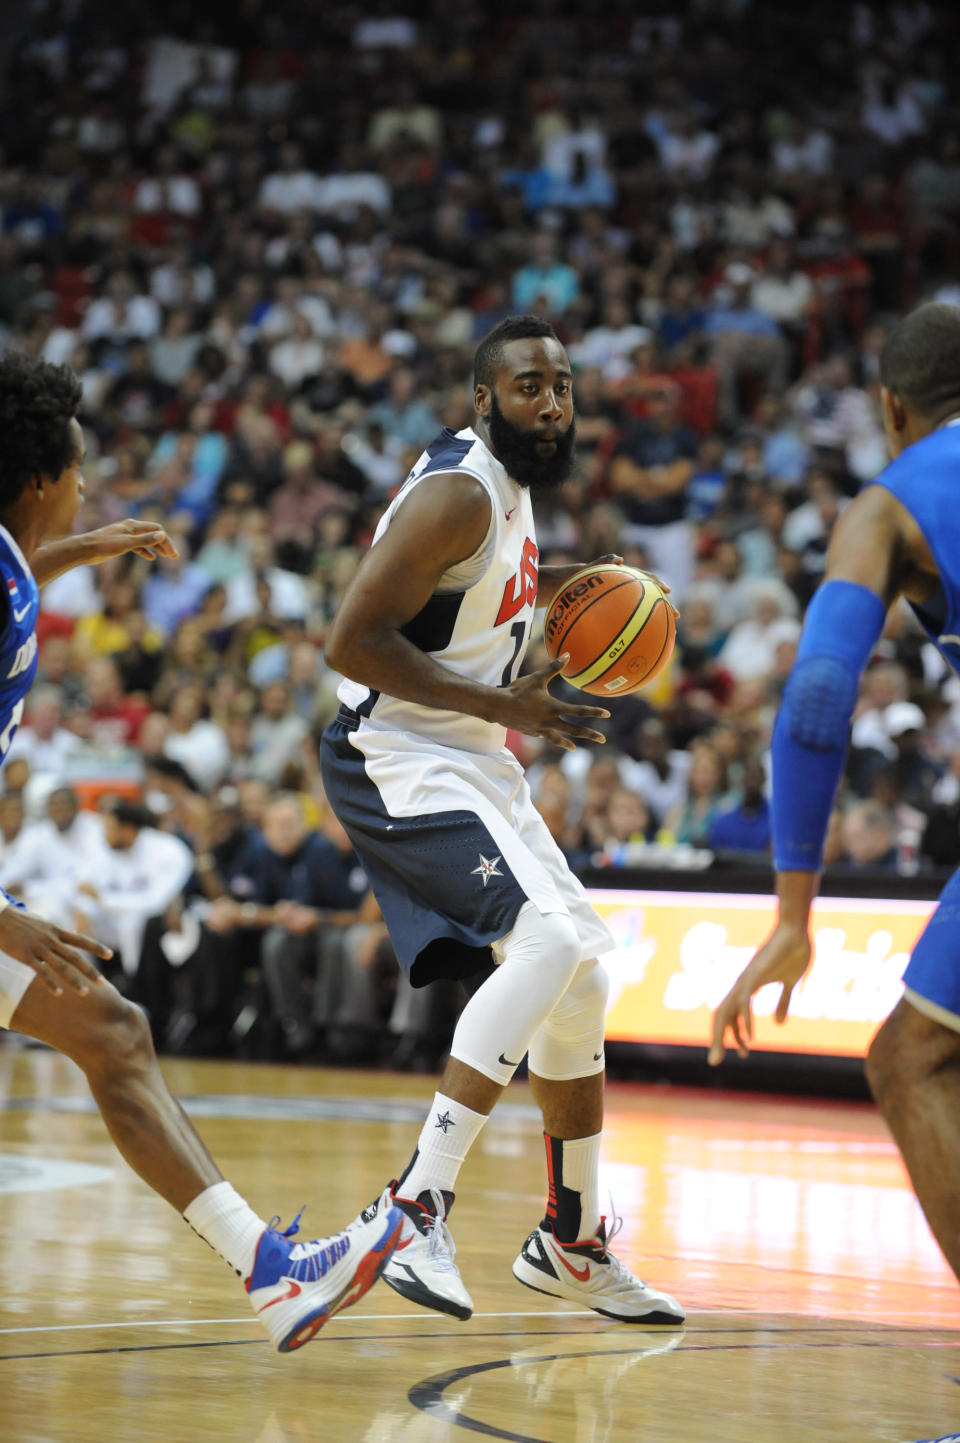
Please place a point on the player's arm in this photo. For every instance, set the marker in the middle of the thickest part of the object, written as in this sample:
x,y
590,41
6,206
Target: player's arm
x,y
145,538
443,521
841,629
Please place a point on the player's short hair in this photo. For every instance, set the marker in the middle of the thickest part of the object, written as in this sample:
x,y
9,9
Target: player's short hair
x,y
512,328
921,360
37,403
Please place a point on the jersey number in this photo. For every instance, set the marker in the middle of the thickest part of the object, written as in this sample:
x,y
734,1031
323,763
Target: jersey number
x,y
518,631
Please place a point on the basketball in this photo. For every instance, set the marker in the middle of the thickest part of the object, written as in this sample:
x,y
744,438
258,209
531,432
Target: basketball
x,y
617,625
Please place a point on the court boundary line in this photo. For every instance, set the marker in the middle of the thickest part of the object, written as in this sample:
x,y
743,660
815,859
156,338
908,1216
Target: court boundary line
x,y
605,1325
435,1408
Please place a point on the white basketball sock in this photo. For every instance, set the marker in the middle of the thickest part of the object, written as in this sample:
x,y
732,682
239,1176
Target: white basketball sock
x,y
573,1205
445,1139
231,1227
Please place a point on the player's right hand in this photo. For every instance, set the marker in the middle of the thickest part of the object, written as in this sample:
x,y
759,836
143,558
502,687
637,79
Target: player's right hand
x,y
783,958
51,951
532,710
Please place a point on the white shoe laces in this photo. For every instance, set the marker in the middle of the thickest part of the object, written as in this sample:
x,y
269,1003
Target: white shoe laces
x,y
442,1247
618,1270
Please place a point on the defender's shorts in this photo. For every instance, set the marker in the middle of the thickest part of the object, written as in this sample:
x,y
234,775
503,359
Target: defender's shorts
x,y
932,978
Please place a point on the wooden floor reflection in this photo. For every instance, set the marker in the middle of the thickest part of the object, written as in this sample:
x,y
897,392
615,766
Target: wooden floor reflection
x,y
819,1306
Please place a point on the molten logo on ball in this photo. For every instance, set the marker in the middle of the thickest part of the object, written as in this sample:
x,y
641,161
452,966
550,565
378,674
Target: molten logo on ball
x,y
568,597
617,626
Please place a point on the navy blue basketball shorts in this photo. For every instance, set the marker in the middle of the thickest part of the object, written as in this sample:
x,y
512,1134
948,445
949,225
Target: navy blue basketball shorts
x,y
452,844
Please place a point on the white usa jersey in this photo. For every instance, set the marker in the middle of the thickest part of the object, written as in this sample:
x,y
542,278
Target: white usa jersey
x,y
477,623
19,604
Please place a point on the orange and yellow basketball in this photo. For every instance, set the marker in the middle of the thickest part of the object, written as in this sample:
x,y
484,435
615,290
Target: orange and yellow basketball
x,y
617,625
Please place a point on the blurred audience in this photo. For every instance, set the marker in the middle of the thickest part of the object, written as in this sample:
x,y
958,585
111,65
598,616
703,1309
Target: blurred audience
x,y
272,305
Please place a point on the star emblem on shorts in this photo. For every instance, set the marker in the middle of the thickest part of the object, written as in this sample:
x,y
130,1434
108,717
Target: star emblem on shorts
x,y
444,1122
486,869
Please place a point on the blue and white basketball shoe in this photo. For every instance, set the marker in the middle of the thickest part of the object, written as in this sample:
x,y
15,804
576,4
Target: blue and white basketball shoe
x,y
295,1288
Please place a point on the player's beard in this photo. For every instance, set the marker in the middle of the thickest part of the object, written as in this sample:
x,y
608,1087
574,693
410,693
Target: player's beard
x,y
516,449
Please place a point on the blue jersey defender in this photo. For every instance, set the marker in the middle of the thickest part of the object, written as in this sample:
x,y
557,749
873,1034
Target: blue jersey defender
x,y
899,538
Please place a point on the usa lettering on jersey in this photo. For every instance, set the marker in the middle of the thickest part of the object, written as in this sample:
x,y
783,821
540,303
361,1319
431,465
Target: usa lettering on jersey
x,y
521,588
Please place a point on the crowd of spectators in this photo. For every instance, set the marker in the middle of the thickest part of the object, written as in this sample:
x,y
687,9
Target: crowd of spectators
x,y
268,239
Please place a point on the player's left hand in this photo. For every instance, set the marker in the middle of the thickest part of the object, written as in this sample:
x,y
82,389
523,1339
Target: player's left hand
x,y
784,958
146,538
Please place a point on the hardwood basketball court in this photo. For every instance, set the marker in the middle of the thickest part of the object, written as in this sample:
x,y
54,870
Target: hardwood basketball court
x,y
819,1306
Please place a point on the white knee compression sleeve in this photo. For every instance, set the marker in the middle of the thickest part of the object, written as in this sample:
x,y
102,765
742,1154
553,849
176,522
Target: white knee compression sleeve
x,y
569,1044
540,957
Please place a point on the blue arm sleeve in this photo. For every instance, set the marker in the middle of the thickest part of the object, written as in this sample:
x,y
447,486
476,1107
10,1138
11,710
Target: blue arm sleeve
x,y
812,728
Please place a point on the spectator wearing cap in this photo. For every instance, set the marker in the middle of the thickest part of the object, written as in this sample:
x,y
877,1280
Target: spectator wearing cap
x,y
915,773
883,684
742,341
650,474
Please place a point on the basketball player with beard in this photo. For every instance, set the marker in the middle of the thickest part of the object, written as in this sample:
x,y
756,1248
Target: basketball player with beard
x,y
430,637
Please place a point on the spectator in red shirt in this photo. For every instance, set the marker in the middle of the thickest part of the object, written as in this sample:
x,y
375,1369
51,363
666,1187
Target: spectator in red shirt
x,y
113,718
